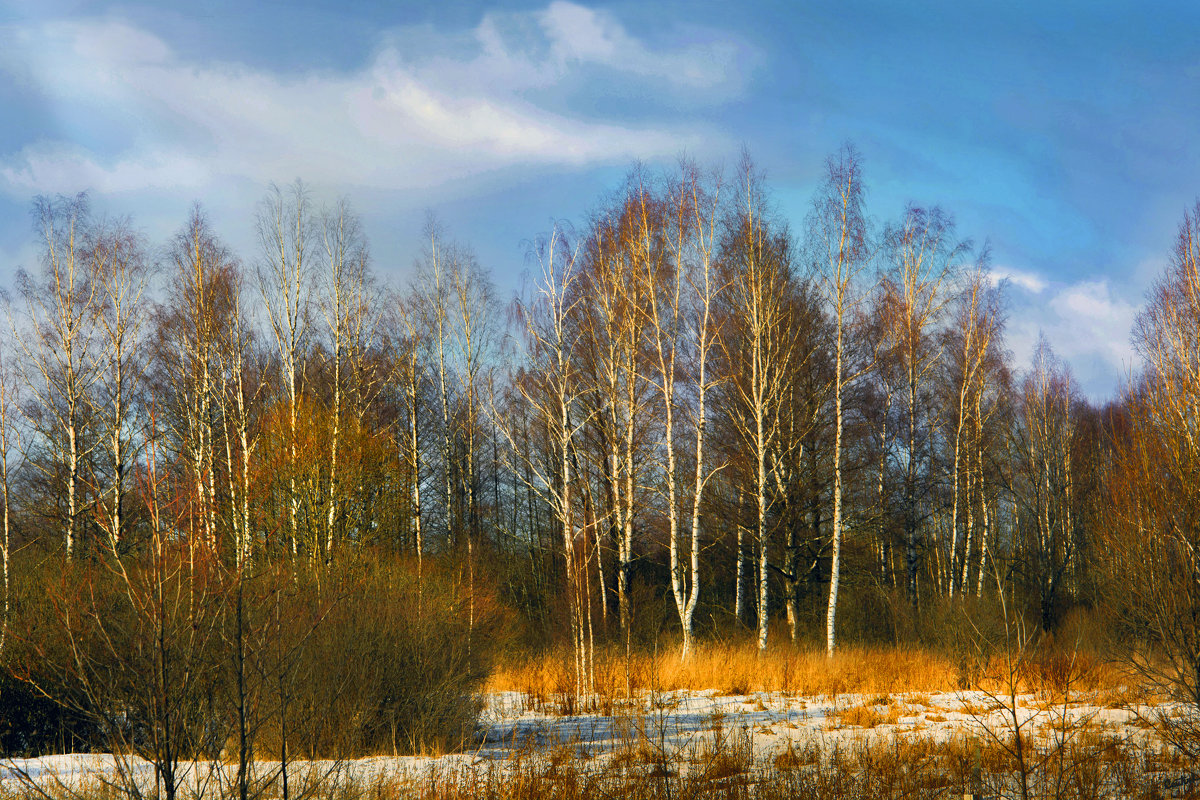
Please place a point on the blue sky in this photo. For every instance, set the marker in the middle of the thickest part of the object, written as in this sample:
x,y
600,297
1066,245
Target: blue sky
x,y
1063,135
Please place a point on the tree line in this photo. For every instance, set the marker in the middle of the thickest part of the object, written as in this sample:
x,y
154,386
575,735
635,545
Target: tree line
x,y
790,427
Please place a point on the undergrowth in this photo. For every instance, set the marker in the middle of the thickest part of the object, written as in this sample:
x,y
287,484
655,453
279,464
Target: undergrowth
x,y
737,669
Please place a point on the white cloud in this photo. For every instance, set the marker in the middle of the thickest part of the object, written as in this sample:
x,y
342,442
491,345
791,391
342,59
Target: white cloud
x,y
583,34
56,169
1029,281
1088,324
587,35
1094,320
395,123
114,42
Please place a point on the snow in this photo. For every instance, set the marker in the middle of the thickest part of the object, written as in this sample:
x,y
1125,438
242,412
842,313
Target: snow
x,y
662,727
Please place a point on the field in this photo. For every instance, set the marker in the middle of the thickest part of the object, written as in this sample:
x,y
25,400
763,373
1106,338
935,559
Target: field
x,y
1084,737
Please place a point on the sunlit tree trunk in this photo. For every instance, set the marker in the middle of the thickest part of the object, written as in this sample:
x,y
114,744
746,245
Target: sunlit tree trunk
x,y
345,309
756,350
120,270
408,371
285,231
60,309
10,445
551,388
838,231
924,256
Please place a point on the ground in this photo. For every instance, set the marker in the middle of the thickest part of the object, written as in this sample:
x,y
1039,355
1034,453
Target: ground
x,y
677,733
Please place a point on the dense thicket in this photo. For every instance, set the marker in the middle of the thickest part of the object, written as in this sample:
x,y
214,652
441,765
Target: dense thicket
x,y
252,480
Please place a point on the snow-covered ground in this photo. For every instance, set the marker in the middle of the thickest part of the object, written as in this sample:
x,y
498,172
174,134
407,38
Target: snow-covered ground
x,y
674,728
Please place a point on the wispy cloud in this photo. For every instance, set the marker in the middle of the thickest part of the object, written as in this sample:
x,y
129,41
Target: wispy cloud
x,y
401,120
579,34
1023,279
65,169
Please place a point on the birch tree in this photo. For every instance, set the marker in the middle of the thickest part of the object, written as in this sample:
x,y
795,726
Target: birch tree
x,y
1045,441
435,282
796,456
285,232
614,356
758,344
553,390
475,335
923,256
190,332
241,395
344,309
58,347
10,448
408,374
121,272
654,323
838,234
974,330
1153,499
694,209
474,301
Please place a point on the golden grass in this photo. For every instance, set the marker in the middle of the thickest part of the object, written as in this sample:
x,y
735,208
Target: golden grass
x,y
876,672
900,767
739,669
861,717
876,712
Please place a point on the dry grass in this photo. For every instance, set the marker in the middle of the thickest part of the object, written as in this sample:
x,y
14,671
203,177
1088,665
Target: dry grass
x,y
881,673
796,757
739,669
872,715
1091,767
919,768
861,717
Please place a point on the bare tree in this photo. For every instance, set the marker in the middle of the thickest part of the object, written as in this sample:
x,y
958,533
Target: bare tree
x,y
191,330
345,310
838,233
612,351
757,345
285,231
552,389
923,257
1152,493
695,211
408,373
1044,442
457,301
436,270
475,339
799,446
60,312
975,328
121,273
239,398
475,325
10,447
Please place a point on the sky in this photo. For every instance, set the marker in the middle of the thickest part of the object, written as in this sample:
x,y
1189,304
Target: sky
x,y
1062,134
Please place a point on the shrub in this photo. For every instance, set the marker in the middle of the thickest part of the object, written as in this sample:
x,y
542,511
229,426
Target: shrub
x,y
396,662
360,656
